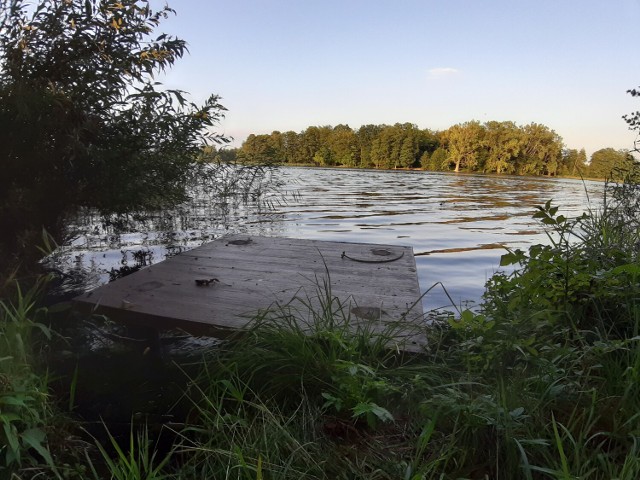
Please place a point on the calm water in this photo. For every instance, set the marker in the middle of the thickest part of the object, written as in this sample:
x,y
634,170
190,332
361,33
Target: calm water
x,y
458,225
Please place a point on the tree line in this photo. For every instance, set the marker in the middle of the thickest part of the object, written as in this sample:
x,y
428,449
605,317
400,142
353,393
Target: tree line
x,y
490,147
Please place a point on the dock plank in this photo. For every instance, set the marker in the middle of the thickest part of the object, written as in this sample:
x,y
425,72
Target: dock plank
x,y
252,274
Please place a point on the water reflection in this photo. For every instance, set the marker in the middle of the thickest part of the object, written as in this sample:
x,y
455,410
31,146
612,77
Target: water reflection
x,y
456,224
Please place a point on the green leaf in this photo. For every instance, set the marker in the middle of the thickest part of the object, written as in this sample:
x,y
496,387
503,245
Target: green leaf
x,y
517,412
364,408
466,315
17,401
11,436
629,268
8,417
34,438
382,413
236,393
511,258
332,401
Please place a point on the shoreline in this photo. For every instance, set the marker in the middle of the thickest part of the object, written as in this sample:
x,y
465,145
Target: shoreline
x,y
446,172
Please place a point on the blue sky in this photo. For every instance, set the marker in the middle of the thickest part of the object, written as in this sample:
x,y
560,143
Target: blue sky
x,y
285,65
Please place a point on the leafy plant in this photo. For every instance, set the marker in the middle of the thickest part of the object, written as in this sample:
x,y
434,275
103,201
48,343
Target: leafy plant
x,y
585,276
24,404
356,387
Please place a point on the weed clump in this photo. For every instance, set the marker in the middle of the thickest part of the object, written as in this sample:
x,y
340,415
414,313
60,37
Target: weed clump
x,y
25,408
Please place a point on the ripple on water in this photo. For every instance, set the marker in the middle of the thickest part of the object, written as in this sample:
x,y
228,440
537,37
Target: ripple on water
x,y
454,214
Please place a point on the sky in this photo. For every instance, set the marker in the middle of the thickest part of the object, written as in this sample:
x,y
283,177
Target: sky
x,y
286,65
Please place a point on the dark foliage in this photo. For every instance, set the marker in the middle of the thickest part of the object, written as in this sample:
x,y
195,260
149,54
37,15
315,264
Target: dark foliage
x,y
82,120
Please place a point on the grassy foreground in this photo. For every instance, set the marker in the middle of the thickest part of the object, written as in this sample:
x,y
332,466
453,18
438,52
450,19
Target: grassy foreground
x,y
542,383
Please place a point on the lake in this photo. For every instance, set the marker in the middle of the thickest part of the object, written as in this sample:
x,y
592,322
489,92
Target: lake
x,y
458,225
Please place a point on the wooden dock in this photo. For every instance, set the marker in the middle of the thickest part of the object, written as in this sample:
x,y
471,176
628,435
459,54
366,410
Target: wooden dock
x,y
219,287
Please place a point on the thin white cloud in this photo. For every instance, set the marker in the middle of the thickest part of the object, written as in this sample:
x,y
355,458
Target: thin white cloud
x,y
442,72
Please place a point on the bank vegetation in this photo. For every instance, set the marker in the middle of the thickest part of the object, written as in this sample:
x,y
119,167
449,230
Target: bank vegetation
x,y
490,147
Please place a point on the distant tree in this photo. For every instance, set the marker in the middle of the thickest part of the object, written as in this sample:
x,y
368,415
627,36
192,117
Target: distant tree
x,y
573,162
609,163
386,146
427,141
569,159
312,140
393,137
211,154
409,149
324,157
365,136
290,141
581,163
425,160
464,142
310,143
343,145
276,141
82,118
259,149
439,160
379,153
228,155
541,151
503,141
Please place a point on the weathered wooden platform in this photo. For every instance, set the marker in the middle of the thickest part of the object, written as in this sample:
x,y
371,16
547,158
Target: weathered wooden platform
x,y
219,287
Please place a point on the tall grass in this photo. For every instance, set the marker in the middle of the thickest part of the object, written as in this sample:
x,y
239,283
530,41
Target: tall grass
x,y
553,355
542,382
25,410
306,375
136,460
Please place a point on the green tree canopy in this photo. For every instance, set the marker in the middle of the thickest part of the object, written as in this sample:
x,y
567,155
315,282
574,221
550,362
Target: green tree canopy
x,y
541,151
261,148
503,141
366,135
464,142
343,145
83,122
607,163
574,162
491,147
